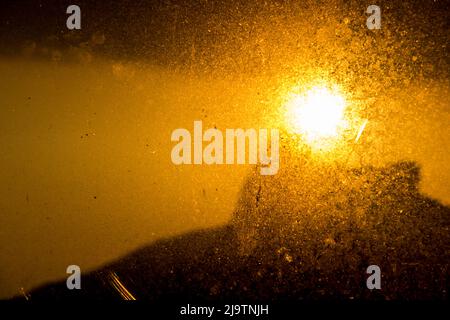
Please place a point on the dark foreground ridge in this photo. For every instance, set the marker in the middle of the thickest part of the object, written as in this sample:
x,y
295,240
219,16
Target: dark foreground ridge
x,y
289,243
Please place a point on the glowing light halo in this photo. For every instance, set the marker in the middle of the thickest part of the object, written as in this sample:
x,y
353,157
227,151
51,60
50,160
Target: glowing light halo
x,y
318,115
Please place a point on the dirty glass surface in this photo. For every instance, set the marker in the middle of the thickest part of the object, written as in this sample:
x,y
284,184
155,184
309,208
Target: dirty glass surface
x,y
88,177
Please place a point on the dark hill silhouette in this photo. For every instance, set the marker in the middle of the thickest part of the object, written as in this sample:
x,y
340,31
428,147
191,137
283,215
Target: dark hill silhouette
x,y
299,235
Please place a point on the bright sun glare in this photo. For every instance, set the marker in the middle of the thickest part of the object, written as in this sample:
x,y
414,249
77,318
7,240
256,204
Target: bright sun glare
x,y
318,114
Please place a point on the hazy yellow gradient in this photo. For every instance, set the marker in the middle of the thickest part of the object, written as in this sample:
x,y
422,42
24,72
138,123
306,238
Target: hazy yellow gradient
x,y
85,167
